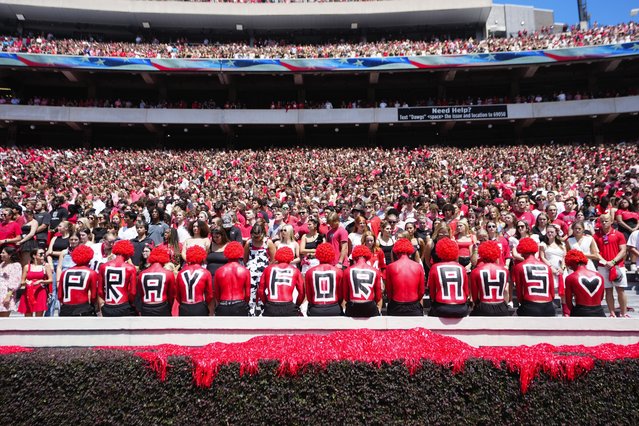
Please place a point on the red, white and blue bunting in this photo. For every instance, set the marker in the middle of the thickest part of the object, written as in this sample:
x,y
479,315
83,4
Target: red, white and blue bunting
x,y
395,63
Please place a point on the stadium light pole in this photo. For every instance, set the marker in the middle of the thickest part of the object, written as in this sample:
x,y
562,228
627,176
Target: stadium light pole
x,y
584,16
634,12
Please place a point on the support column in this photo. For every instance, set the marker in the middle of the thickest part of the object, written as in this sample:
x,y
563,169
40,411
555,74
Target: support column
x,y
12,134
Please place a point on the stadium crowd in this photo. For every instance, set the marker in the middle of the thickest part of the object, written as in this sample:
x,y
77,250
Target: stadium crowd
x,y
557,96
180,211
271,49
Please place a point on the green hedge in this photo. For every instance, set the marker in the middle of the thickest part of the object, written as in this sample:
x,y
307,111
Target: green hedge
x,y
81,386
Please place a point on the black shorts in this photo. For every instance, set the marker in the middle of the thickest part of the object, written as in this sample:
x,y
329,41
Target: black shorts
x,y
158,310
232,308
333,310
491,310
587,311
80,310
362,310
194,309
448,311
532,309
404,309
283,309
123,310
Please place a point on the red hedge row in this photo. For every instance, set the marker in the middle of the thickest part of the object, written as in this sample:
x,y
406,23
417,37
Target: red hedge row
x,y
294,352
355,377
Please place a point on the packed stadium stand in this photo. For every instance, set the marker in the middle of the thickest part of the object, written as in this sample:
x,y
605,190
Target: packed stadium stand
x,y
318,106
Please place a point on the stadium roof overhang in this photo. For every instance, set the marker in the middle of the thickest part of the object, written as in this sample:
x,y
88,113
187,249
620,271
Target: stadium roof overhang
x,y
225,16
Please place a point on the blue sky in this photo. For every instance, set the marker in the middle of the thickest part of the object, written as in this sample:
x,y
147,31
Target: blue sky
x,y
602,11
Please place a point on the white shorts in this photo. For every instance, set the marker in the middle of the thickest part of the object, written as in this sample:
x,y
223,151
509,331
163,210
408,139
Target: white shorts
x,y
623,282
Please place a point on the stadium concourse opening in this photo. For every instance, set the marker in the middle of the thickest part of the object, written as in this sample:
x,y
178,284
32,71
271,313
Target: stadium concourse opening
x,y
336,135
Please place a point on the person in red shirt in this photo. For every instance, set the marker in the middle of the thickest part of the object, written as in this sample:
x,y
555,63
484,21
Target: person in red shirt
x,y
277,284
551,211
448,283
338,238
362,286
10,232
194,290
117,283
405,282
77,290
324,285
586,286
502,243
568,216
489,283
156,286
232,290
534,281
612,250
521,210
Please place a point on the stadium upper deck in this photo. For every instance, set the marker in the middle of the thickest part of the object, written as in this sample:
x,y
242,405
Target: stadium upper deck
x,y
605,72
128,17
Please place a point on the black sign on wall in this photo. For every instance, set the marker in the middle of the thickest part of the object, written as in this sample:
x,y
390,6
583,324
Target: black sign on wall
x,y
475,112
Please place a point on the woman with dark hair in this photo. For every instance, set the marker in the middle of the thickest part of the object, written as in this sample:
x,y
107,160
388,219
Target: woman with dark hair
x,y
215,258
258,252
100,227
10,274
626,218
144,260
28,239
173,245
539,229
604,206
308,245
584,243
36,277
199,231
522,231
386,240
74,211
589,207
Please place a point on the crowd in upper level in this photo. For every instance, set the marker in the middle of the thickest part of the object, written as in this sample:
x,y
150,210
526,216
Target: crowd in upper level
x,y
286,49
556,96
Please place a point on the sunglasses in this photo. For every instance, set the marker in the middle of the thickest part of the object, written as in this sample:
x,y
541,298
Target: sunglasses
x,y
491,226
521,226
392,222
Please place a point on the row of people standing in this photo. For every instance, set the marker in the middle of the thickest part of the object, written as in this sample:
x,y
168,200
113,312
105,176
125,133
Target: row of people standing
x,y
358,289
